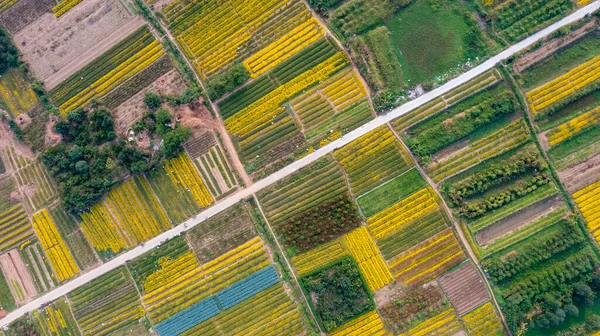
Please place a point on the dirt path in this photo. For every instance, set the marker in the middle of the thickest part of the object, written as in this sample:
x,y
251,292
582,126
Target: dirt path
x,y
227,142
287,262
457,227
517,220
15,270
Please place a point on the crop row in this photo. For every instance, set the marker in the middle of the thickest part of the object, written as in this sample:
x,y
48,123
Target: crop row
x,y
319,257
289,44
433,107
180,287
6,4
565,85
413,233
178,202
312,110
64,6
491,146
37,265
17,94
225,299
58,320
588,202
102,231
182,172
369,260
101,66
137,210
60,257
141,267
14,227
302,191
444,323
106,304
483,321
262,111
281,129
127,69
372,159
345,121
573,127
402,213
428,259
367,324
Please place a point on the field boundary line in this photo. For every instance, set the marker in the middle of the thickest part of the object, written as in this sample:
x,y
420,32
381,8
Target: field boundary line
x,y
250,190
459,231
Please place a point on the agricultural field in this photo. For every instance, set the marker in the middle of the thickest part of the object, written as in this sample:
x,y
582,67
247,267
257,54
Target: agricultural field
x,y
16,94
281,85
69,230
387,40
38,266
7,300
32,178
106,303
75,42
207,288
514,20
179,188
129,215
55,318
111,69
18,278
216,171
15,227
483,321
464,288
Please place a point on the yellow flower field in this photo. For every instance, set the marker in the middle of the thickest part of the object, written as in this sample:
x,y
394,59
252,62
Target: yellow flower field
x,y
182,171
565,85
284,48
403,213
588,202
574,126
370,262
58,253
367,324
102,230
64,6
265,109
483,321
6,4
319,257
444,323
427,259
17,94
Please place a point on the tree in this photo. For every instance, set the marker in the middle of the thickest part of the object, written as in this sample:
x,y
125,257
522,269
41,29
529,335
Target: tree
x,y
571,310
583,293
9,55
81,167
152,100
173,140
163,121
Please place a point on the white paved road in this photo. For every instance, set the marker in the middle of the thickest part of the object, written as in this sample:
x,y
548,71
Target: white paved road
x,y
249,191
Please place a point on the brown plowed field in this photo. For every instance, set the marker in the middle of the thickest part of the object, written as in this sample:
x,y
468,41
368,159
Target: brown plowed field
x,y
581,174
25,12
15,270
465,288
57,48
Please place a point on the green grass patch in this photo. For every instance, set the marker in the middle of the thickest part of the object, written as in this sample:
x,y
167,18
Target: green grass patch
x,y
387,63
7,302
391,192
430,41
561,62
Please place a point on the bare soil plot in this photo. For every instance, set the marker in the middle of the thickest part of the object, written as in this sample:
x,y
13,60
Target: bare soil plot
x,y
517,220
200,145
465,288
197,117
25,12
57,48
170,84
581,174
18,276
551,46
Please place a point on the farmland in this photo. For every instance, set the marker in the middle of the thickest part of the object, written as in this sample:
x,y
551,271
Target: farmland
x,y
15,227
16,93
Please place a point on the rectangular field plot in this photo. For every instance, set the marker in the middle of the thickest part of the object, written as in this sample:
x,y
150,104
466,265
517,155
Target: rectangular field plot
x,y
513,20
15,227
587,200
464,288
7,300
108,71
17,278
179,188
372,159
38,266
428,259
129,215
16,93
483,321
32,177
56,319
107,303
82,251
446,323
216,172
